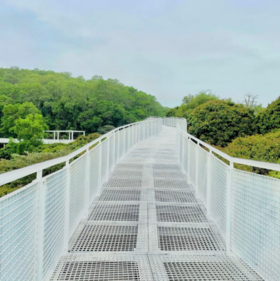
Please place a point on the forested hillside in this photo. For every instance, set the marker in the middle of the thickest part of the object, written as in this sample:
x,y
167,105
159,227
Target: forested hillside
x,y
75,103
32,101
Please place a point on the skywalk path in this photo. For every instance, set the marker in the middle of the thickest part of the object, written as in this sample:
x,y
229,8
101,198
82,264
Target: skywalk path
x,y
147,224
146,201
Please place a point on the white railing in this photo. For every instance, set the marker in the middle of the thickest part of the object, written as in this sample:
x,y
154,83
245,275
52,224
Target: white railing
x,y
245,206
37,220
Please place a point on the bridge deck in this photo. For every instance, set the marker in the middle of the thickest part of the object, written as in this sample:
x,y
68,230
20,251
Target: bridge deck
x,y
147,224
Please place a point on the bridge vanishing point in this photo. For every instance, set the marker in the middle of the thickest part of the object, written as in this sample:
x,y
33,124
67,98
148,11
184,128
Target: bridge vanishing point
x,y
146,201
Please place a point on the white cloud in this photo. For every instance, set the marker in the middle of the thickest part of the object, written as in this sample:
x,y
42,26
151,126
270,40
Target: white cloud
x,y
166,48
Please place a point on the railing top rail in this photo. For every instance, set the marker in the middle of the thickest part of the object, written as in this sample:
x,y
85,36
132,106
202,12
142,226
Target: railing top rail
x,y
23,172
63,131
253,163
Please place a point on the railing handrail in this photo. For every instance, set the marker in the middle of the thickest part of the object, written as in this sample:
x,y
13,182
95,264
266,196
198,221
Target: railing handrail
x,y
234,160
28,170
48,210
243,205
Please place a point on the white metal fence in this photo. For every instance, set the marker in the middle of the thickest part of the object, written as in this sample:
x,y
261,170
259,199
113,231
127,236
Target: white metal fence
x,y
245,206
37,220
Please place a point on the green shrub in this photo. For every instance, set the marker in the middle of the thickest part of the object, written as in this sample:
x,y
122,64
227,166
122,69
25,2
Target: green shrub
x,y
172,112
257,147
269,119
105,129
191,102
45,152
219,122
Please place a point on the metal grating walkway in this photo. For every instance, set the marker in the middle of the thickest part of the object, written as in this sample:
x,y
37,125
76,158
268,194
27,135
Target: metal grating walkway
x,y
147,224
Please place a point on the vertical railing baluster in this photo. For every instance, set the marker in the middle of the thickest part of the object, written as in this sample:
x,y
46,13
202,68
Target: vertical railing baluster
x,y
189,160
229,207
182,153
87,181
114,151
118,148
209,180
196,168
67,206
108,140
100,168
41,225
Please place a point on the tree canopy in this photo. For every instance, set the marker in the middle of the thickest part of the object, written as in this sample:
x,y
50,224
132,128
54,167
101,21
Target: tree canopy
x,y
257,147
69,103
190,102
219,122
269,118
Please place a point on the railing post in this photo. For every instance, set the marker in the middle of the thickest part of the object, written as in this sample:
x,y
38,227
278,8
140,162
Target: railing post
x,y
124,140
229,207
114,151
129,138
87,187
118,148
100,167
183,153
209,179
196,168
108,157
67,207
189,159
41,225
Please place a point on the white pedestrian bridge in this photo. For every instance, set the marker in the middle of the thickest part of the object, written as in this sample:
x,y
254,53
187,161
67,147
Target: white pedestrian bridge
x,y
146,201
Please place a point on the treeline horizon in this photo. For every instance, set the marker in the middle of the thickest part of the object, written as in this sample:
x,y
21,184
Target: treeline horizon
x,y
68,103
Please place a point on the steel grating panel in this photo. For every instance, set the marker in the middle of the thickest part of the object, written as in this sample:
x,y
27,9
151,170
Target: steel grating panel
x,y
135,160
163,167
115,212
124,182
188,214
169,174
101,267
100,270
174,196
93,236
199,268
120,195
147,210
191,238
127,174
128,167
106,238
171,184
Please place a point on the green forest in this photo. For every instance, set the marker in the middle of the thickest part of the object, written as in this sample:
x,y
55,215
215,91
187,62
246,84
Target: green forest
x,y
245,130
32,101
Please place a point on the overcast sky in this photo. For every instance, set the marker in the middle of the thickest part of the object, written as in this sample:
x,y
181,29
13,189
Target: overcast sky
x,y
167,48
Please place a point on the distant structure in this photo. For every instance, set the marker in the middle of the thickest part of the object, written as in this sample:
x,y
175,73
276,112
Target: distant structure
x,y
56,137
